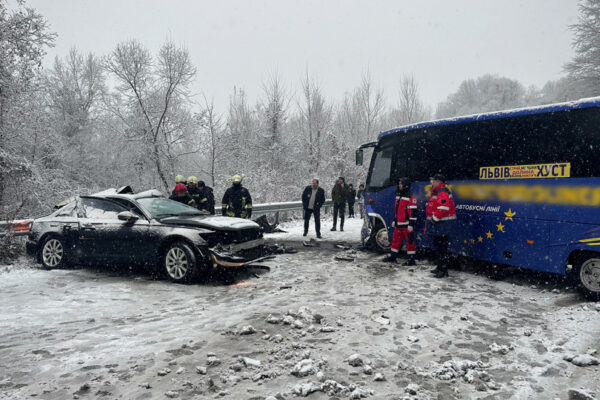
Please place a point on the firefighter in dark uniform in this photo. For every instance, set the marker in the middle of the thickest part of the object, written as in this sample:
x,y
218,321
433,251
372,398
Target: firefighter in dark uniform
x,y
207,198
181,195
405,219
192,187
440,216
236,200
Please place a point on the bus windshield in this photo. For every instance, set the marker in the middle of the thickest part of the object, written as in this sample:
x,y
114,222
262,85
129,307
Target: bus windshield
x,y
381,168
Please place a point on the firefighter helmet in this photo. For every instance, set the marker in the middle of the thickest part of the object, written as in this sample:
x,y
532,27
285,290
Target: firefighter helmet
x,y
192,179
180,188
179,179
236,179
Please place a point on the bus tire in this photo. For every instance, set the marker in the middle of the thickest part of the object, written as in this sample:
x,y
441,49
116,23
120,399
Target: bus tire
x,y
587,276
379,239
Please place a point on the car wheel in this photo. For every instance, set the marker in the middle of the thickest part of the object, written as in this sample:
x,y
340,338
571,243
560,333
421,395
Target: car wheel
x,y
53,253
179,262
588,277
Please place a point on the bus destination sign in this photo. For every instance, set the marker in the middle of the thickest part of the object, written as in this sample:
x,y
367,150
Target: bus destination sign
x,y
556,170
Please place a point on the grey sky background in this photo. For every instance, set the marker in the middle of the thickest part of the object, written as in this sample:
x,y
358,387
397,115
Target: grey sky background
x,y
241,43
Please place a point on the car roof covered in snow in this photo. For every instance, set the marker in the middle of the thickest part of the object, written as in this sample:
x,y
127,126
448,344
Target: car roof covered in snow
x,y
571,105
126,193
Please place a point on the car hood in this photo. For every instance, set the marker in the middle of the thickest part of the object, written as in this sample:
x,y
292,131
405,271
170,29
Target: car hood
x,y
212,222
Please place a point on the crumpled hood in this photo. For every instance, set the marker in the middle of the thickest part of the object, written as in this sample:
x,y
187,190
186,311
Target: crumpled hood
x,y
212,222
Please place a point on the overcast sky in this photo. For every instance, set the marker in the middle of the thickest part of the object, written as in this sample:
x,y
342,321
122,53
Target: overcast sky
x,y
241,43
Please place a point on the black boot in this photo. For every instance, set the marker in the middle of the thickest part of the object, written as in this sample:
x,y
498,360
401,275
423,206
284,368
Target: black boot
x,y
410,261
333,229
441,273
391,258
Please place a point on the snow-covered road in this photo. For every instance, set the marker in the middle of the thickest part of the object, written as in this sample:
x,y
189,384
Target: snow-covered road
x,y
311,325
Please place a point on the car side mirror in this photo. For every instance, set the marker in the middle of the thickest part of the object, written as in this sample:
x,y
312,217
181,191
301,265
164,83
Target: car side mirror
x,y
127,216
359,157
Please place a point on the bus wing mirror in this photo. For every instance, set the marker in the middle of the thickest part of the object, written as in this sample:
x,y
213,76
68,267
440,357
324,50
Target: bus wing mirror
x,y
359,157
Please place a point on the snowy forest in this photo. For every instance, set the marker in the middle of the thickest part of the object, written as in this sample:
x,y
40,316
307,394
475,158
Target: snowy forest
x,y
129,117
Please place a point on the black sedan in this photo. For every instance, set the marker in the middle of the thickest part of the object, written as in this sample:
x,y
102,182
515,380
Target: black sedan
x,y
119,228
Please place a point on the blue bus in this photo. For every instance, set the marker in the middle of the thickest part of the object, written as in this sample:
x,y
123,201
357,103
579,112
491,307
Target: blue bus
x,y
525,182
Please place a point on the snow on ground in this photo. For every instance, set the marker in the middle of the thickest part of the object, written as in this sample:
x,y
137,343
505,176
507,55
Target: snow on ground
x,y
295,229
312,326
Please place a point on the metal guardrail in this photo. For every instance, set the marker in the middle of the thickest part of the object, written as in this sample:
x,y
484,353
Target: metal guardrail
x,y
290,206
280,207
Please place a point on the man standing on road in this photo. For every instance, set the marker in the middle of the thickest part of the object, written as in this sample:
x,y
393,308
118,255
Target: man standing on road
x,y
313,198
440,214
237,201
351,199
339,194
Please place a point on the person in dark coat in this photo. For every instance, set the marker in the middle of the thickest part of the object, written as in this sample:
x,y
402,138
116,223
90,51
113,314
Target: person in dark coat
x,y
181,195
207,198
351,199
339,195
313,198
441,215
237,201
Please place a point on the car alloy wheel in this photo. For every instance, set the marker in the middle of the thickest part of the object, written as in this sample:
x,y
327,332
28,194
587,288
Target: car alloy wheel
x,y
52,253
176,263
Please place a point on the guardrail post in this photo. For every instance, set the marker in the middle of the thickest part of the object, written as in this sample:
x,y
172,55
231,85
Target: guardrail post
x,y
277,217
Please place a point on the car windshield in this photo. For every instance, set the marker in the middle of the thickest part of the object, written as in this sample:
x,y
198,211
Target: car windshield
x,y
159,207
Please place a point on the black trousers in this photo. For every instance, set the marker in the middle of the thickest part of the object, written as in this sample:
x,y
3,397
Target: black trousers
x,y
350,210
317,214
441,248
341,209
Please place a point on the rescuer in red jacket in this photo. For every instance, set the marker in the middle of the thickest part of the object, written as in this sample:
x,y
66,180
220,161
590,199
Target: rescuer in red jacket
x,y
440,212
405,219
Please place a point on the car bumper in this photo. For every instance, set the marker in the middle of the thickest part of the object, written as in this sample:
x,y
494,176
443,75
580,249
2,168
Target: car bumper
x,y
232,261
240,254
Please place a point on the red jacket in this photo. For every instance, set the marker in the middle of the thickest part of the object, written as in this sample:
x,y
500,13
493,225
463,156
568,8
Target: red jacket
x,y
440,206
405,211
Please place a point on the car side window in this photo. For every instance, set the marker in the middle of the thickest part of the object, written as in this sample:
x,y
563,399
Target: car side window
x,y
100,209
131,207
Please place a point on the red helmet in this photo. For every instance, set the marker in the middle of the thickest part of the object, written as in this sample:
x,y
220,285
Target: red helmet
x,y
180,187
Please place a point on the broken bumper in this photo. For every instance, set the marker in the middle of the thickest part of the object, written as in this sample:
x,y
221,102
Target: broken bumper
x,y
240,254
232,261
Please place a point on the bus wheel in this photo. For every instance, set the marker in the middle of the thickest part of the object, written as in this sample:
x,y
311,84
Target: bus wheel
x,y
379,238
588,274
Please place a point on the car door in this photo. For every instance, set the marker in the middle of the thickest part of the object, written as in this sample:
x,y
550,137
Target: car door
x,y
140,241
101,239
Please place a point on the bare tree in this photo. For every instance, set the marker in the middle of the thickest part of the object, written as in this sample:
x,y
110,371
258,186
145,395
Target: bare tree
x,y
370,105
213,135
486,93
315,118
584,69
411,108
156,91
